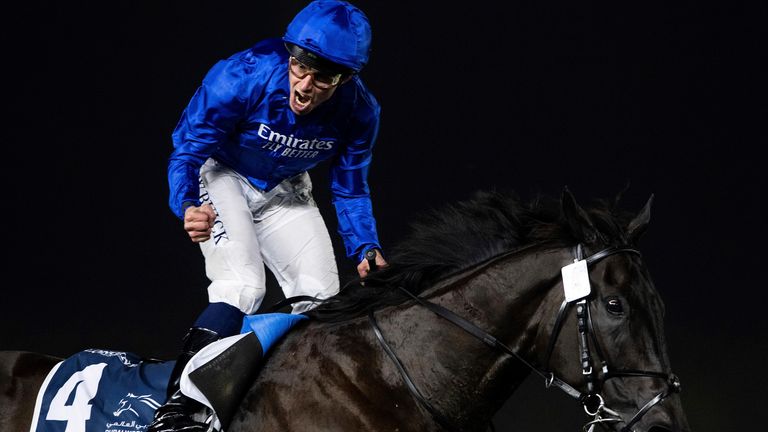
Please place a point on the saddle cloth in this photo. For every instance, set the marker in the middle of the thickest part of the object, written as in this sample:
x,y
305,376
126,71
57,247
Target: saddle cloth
x,y
101,391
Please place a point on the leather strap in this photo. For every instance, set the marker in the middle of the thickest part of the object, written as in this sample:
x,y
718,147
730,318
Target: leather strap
x,y
291,300
555,332
611,251
440,418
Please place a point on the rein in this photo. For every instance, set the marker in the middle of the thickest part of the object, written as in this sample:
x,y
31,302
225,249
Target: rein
x,y
591,401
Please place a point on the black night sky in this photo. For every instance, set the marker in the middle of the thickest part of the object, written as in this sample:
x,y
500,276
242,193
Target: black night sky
x,y
530,97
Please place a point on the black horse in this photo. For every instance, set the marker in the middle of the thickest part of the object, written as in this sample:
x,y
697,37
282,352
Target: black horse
x,y
472,304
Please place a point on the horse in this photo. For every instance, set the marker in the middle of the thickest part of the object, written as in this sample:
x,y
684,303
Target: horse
x,y
481,294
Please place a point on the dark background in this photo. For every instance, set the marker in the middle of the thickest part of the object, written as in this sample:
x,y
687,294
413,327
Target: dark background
x,y
524,97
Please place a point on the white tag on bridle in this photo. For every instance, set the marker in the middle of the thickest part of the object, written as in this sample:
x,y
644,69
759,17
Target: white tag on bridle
x,y
576,280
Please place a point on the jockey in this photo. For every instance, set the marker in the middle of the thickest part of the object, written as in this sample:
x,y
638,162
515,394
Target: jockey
x,y
238,174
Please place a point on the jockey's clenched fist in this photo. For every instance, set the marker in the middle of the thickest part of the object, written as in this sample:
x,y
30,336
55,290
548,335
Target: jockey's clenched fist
x,y
198,222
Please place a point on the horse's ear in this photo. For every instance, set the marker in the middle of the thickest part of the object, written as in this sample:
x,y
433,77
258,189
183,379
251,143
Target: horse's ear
x,y
637,226
578,220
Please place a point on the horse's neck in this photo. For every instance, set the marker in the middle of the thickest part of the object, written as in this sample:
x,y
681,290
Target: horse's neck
x,y
464,376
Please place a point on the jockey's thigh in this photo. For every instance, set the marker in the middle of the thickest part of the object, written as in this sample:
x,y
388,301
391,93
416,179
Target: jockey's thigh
x,y
295,243
232,254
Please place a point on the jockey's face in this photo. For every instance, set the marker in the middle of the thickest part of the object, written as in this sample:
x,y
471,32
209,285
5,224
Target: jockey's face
x,y
309,88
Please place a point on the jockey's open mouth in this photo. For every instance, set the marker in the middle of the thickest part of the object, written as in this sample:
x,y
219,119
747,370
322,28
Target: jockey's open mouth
x,y
301,99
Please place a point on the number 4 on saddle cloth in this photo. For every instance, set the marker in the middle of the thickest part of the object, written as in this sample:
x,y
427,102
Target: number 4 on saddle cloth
x,y
109,391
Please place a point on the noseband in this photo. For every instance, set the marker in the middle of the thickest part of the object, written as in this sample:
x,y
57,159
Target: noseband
x,y
592,401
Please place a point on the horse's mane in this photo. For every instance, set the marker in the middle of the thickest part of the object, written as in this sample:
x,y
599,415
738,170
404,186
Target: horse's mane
x,y
451,239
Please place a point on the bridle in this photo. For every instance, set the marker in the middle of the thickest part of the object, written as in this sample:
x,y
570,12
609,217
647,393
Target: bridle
x,y
591,400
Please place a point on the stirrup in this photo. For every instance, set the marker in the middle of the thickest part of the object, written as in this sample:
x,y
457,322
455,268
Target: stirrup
x,y
182,414
178,423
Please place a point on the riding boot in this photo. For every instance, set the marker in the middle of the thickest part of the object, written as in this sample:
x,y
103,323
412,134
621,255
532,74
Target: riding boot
x,y
178,413
196,339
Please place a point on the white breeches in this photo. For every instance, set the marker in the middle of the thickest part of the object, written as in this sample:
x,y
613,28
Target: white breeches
x,y
281,229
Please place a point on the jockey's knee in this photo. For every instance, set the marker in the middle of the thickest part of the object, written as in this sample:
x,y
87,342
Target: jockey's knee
x,y
245,297
320,288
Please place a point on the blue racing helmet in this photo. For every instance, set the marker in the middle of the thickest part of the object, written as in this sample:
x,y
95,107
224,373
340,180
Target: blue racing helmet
x,y
334,30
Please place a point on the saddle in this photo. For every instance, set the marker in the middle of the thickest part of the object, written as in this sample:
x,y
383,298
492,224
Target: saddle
x,y
221,373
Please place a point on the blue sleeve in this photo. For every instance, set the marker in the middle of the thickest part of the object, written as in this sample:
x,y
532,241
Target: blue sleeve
x,y
212,114
351,196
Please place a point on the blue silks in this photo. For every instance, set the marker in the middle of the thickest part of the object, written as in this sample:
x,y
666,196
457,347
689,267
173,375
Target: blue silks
x,y
240,116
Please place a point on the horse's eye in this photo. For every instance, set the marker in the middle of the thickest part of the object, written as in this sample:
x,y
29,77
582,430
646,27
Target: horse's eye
x,y
614,306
